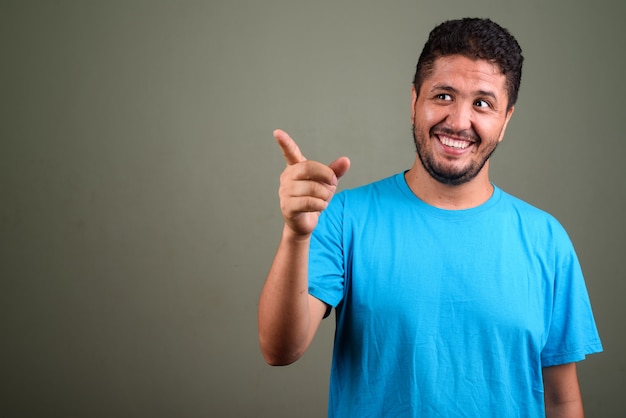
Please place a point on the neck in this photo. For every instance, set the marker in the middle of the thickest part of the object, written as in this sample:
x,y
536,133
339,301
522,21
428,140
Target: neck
x,y
464,196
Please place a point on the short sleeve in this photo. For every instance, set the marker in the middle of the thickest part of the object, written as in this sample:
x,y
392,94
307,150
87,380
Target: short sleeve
x,y
326,256
572,330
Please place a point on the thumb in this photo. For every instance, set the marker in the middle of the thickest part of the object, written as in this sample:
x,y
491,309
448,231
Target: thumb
x,y
288,146
340,166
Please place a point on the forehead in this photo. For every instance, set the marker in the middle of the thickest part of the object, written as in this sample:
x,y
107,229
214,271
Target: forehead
x,y
466,74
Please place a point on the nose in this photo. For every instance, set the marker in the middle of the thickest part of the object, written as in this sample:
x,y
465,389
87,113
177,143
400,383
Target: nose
x,y
460,116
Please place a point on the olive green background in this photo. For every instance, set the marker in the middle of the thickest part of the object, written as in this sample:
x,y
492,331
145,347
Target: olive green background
x,y
138,183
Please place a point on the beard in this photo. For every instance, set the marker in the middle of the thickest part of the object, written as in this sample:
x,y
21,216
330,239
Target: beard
x,y
446,173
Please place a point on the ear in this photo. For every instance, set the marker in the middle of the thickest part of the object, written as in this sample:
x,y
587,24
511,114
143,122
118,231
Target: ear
x,y
507,118
413,102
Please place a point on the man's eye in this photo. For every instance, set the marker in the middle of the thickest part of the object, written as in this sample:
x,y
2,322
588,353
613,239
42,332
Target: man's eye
x,y
481,103
444,96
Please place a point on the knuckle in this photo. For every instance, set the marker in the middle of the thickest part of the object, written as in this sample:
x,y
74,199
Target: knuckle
x,y
304,170
321,191
310,204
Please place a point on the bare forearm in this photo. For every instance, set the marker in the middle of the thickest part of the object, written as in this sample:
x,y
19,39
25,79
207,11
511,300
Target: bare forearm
x,y
284,321
573,409
562,392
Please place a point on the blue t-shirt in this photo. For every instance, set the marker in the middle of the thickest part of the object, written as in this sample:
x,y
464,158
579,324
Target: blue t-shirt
x,y
446,313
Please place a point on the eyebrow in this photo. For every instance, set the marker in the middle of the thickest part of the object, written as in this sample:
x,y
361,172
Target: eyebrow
x,y
451,89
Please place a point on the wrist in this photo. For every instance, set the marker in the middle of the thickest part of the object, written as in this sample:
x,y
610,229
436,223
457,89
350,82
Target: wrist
x,y
295,237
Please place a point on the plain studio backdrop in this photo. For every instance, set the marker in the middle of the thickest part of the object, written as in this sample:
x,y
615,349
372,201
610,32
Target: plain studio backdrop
x,y
138,183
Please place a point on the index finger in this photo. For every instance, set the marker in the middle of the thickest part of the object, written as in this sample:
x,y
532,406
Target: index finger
x,y
288,146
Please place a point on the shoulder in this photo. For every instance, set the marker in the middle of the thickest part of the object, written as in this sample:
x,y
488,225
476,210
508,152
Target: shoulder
x,y
377,190
364,202
532,218
526,208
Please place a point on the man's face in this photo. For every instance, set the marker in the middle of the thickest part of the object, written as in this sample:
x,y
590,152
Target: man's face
x,y
459,117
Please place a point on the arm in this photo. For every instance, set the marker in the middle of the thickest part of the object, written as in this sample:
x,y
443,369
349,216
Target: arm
x,y
288,316
561,392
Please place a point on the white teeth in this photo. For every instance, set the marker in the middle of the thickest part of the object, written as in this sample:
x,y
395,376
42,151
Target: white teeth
x,y
454,143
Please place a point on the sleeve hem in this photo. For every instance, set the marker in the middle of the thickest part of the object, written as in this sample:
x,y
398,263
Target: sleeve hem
x,y
571,356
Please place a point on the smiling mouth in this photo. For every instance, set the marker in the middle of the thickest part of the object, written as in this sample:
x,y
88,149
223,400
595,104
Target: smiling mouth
x,y
454,143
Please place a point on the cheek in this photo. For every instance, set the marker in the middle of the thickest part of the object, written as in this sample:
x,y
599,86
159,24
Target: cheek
x,y
425,118
490,131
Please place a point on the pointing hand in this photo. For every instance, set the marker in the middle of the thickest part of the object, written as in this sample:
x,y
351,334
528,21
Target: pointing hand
x,y
306,187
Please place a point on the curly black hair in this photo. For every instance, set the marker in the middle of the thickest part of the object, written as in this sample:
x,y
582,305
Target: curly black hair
x,y
475,38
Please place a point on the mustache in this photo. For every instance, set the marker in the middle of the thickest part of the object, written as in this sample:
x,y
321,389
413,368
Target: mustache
x,y
442,129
